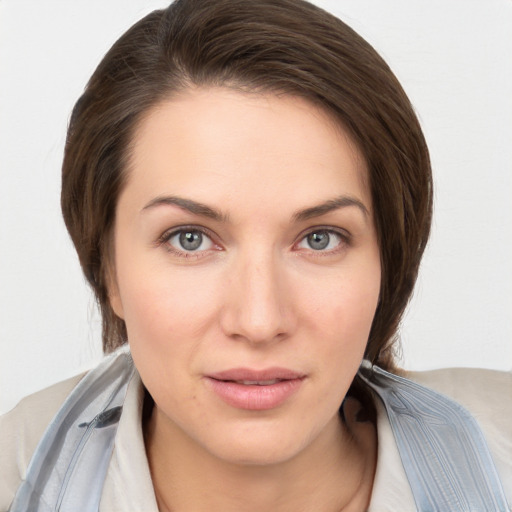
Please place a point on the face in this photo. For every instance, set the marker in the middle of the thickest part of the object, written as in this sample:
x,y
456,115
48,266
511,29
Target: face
x,y
247,270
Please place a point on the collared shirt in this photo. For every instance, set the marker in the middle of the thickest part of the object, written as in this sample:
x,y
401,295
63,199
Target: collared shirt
x,y
128,486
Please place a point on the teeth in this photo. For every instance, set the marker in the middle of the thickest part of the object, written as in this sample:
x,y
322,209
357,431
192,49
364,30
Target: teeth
x,y
257,382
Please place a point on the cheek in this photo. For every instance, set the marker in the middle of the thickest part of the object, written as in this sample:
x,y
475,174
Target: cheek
x,y
340,322
168,315
343,319
162,304
345,305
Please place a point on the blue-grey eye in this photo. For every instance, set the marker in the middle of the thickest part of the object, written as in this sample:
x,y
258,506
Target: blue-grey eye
x,y
189,240
321,240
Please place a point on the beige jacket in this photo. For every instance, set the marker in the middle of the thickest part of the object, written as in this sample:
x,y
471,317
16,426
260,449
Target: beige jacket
x,y
128,488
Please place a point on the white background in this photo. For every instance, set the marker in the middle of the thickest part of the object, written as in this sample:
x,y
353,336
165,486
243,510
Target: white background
x,y
454,58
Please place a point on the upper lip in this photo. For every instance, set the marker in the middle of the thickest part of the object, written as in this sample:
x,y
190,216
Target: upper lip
x,y
248,374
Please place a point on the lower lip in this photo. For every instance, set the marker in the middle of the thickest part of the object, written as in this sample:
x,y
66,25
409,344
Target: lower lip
x,y
254,398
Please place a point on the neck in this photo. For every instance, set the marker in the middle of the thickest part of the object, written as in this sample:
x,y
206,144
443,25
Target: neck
x,y
334,473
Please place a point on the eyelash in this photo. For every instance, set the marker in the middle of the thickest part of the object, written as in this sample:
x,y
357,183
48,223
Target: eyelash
x,y
345,240
168,235
164,239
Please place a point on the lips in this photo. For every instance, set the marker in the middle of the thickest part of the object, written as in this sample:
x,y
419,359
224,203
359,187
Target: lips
x,y
255,390
258,382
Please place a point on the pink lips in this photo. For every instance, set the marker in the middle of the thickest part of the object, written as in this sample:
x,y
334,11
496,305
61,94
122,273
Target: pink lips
x,y
255,390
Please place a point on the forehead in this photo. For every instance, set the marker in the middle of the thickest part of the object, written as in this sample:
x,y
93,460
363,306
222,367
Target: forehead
x,y
215,142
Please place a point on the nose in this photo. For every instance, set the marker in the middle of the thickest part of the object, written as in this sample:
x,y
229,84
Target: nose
x,y
258,306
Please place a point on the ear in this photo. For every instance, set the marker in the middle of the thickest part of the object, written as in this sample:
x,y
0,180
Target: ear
x,y
116,303
114,296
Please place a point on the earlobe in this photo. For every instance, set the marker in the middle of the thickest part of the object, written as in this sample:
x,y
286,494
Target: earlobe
x,y
114,297
115,302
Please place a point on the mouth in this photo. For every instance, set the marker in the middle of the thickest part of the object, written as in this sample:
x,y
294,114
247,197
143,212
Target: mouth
x,y
255,390
257,382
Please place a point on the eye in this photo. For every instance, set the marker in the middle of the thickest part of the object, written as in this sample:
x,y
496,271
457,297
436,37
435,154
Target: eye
x,y
189,240
322,240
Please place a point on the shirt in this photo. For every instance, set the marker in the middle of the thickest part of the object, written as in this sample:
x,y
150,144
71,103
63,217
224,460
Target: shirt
x,y
128,486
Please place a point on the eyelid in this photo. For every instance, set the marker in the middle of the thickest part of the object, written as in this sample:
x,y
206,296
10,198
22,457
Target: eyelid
x,y
164,238
345,236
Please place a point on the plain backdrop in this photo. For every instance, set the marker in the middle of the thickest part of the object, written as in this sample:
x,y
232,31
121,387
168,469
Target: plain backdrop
x,y
454,58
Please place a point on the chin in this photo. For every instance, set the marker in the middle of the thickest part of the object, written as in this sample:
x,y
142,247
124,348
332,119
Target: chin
x,y
257,444
246,453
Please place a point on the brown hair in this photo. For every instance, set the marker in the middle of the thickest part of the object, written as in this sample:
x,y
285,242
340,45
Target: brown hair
x,y
283,46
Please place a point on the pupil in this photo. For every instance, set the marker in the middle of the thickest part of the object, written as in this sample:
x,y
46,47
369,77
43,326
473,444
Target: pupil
x,y
191,240
319,240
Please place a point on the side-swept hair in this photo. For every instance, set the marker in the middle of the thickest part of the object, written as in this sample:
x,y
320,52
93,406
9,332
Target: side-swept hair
x,y
280,46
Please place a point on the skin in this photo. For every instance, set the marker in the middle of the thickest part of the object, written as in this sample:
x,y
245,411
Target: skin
x,y
255,294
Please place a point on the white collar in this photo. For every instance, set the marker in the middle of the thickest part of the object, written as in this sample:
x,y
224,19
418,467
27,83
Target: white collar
x,y
128,486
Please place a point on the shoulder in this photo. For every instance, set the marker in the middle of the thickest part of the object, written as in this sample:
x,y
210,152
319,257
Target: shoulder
x,y
482,392
487,395
20,431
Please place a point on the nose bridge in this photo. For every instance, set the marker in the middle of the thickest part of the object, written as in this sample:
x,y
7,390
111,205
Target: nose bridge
x,y
258,304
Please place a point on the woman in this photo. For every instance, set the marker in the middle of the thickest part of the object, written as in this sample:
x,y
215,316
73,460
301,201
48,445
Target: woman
x,y
249,193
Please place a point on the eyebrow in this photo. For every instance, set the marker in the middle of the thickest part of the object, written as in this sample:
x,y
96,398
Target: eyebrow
x,y
203,210
329,206
187,204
